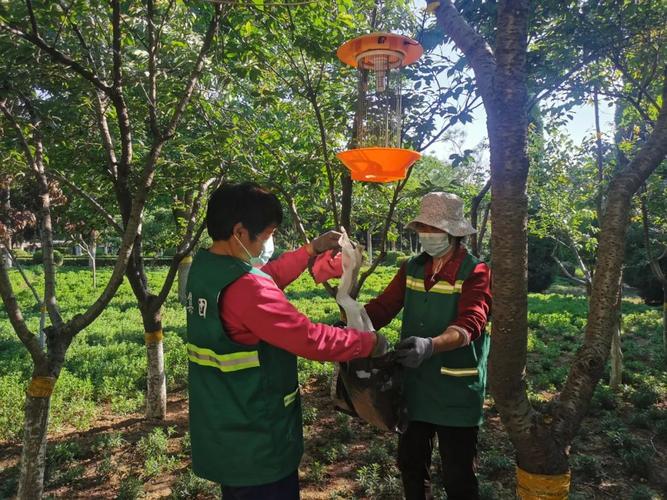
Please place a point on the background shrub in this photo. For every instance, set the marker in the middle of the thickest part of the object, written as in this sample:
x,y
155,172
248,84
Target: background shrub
x,y
38,257
392,257
541,266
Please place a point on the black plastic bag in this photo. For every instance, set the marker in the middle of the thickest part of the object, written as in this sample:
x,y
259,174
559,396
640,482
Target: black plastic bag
x,y
371,389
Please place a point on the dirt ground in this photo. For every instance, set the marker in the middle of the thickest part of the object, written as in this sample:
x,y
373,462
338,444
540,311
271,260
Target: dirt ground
x,y
336,450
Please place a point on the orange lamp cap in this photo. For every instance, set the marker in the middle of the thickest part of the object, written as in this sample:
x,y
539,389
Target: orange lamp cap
x,y
405,50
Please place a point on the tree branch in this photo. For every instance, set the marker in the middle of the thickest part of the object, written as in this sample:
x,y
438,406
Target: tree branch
x,y
58,56
107,141
383,238
31,16
474,208
152,70
635,104
122,113
100,209
35,163
116,45
472,44
653,263
468,107
567,273
189,240
35,294
19,132
325,153
628,76
173,267
482,230
557,82
194,76
82,40
592,356
599,197
80,321
28,339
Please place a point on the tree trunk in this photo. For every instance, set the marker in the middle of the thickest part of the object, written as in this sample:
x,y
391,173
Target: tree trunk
x,y
183,272
664,317
591,358
474,216
6,259
5,218
31,479
92,261
156,390
151,316
599,199
369,244
482,229
92,254
537,451
346,203
42,325
616,370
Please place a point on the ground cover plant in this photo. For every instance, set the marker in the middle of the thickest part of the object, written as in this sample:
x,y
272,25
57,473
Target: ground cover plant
x,y
102,447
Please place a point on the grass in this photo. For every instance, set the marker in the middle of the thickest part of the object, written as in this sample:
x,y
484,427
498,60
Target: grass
x,y
154,448
189,486
104,376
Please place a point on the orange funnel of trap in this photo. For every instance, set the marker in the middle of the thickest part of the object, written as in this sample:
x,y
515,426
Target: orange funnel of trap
x,y
378,164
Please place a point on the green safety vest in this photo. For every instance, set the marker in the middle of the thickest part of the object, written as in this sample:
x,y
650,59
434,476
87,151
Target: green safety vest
x,y
447,389
245,409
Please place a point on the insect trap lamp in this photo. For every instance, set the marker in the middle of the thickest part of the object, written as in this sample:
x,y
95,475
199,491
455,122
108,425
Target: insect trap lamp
x,y
379,57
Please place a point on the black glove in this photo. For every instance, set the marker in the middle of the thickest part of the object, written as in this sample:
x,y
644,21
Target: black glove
x,y
326,241
413,351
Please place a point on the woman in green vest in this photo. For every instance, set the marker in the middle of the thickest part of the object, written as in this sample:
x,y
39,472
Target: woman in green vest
x,y
445,296
244,337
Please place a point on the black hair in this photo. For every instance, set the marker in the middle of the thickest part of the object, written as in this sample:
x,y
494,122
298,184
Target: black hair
x,y
247,203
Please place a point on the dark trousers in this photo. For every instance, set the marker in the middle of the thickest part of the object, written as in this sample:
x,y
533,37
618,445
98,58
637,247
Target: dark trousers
x,y
285,489
458,451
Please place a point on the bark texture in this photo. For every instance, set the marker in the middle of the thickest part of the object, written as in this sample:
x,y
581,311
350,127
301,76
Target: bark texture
x,y
33,454
156,380
541,441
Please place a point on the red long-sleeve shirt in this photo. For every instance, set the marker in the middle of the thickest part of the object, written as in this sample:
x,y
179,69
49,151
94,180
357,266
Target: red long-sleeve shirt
x,y
254,308
474,303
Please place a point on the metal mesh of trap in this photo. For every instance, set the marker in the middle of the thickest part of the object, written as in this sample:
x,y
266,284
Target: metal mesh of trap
x,y
379,100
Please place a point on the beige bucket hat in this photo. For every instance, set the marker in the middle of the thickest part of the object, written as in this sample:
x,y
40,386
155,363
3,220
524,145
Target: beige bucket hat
x,y
444,211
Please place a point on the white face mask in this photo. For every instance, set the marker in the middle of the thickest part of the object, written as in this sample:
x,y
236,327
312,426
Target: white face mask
x,y
264,255
435,244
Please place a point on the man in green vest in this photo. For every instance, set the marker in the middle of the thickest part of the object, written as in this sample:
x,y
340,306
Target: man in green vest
x,y
243,340
445,295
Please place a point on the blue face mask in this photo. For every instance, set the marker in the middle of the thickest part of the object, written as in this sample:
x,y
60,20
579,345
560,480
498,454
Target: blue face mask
x,y
265,254
435,244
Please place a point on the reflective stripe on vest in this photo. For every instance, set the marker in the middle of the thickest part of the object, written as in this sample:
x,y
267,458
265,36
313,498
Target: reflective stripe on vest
x,y
224,362
289,399
459,372
417,284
